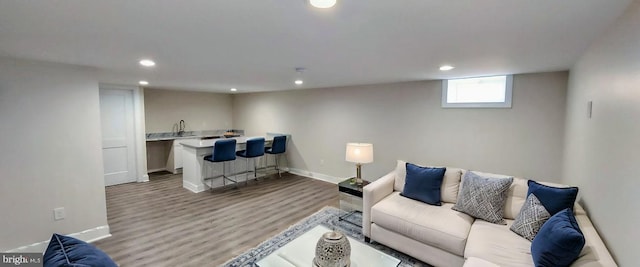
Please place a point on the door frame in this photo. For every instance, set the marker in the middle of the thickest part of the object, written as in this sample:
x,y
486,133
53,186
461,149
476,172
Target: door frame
x,y
139,139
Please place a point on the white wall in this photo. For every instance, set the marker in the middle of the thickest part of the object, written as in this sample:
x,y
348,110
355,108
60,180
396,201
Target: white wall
x,y
406,121
603,153
51,152
200,110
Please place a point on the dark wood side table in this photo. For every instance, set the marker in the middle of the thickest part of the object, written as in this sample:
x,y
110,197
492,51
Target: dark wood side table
x,y
351,199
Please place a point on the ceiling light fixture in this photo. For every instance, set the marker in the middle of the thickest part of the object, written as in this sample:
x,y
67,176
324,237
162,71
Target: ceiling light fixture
x,y
446,67
299,72
147,62
143,83
322,3
234,89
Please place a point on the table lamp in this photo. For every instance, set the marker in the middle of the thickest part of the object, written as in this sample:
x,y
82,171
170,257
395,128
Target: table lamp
x,y
359,153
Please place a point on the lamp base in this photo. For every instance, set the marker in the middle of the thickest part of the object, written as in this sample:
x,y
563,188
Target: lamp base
x,y
358,172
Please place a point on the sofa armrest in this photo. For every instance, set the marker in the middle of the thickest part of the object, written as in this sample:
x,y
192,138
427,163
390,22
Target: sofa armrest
x,y
595,252
371,194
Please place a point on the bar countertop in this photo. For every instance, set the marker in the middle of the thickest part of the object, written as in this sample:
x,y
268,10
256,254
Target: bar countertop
x,y
209,142
211,134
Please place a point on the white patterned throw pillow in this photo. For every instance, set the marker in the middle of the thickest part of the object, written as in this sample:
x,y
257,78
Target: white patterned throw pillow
x,y
483,197
531,218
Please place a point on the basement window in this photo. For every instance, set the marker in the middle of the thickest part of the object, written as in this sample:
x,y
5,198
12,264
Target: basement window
x,y
481,92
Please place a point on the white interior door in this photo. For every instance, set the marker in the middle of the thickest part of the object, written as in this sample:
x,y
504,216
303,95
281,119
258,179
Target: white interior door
x,y
118,147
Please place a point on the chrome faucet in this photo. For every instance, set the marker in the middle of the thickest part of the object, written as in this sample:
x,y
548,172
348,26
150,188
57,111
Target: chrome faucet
x,y
181,127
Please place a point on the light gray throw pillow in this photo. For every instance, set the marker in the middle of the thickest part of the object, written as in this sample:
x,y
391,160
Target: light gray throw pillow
x,y
531,218
483,197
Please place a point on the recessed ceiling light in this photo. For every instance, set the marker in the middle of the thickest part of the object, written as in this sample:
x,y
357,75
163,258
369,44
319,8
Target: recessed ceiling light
x,y
234,89
299,71
446,67
147,63
322,3
143,83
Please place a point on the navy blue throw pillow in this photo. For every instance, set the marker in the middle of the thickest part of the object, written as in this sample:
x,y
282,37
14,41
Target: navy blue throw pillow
x,y
423,184
68,251
559,241
554,199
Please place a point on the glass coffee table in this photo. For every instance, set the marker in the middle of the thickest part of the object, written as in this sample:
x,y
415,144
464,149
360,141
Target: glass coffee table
x,y
301,251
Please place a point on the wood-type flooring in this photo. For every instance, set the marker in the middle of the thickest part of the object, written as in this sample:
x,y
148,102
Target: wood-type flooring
x,y
159,223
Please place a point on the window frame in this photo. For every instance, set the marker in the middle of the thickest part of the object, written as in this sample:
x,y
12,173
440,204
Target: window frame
x,y
507,96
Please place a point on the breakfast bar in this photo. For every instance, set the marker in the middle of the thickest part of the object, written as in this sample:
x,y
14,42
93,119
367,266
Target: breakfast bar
x,y
193,154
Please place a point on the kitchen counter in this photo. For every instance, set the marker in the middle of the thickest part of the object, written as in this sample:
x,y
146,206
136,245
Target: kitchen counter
x,y
209,142
185,135
164,151
189,135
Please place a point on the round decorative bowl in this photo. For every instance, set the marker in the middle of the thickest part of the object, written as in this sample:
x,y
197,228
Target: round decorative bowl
x,y
332,250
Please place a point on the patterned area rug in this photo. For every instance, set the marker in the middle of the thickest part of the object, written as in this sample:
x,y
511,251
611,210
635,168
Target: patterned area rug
x,y
327,216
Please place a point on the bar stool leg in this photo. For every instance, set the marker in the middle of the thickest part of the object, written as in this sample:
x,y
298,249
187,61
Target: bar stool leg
x,y
246,177
205,169
257,162
255,168
224,178
278,165
233,169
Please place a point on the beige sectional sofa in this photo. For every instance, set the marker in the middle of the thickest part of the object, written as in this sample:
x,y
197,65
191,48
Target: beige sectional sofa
x,y
441,236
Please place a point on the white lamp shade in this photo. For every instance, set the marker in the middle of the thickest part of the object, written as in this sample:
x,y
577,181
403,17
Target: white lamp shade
x,y
359,153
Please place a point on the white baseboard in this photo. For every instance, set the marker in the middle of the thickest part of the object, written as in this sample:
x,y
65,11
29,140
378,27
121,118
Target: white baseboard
x,y
145,178
89,236
317,176
156,170
192,187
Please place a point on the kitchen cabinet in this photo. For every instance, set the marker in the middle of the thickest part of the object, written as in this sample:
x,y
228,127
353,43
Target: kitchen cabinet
x,y
164,151
174,160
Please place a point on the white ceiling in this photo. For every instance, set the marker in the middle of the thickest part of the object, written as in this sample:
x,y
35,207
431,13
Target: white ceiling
x,y
213,45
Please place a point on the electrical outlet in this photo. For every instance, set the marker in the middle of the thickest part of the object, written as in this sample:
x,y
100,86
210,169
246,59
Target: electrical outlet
x,y
58,213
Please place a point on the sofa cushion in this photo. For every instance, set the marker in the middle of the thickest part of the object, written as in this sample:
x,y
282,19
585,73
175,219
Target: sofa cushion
x,y
401,174
554,199
450,182
423,184
559,241
438,226
483,197
531,217
515,195
496,244
68,251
